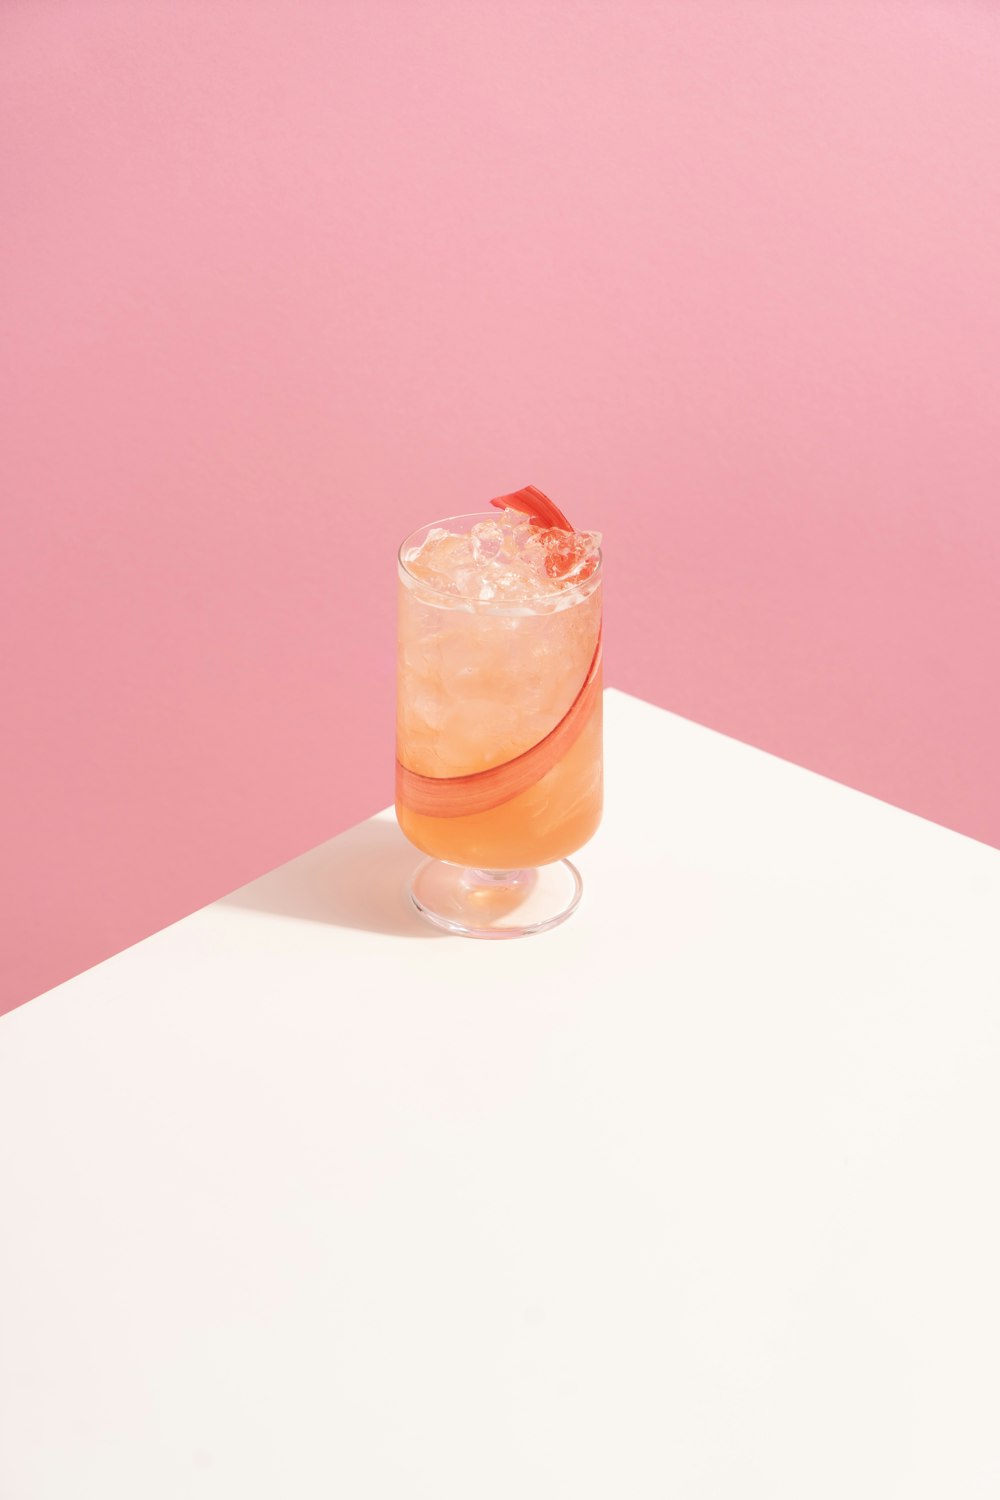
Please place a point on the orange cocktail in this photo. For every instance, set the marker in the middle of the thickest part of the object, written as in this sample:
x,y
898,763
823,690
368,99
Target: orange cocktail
x,y
499,745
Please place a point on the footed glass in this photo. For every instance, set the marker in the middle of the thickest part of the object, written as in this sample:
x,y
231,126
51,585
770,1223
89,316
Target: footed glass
x,y
499,763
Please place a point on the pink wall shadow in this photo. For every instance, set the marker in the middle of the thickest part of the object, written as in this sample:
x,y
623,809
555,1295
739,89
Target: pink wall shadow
x,y
280,283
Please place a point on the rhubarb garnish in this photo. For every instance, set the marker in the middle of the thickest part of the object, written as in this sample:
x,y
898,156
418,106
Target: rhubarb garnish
x,y
531,502
457,796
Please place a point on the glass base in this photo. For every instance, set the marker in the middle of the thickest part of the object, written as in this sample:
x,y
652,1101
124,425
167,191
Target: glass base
x,y
495,903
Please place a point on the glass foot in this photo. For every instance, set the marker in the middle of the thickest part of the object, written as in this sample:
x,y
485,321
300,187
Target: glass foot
x,y
495,903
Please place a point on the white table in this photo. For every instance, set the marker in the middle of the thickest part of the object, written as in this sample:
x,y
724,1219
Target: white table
x,y
694,1196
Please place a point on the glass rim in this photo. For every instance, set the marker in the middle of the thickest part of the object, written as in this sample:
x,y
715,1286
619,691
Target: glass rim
x,y
587,584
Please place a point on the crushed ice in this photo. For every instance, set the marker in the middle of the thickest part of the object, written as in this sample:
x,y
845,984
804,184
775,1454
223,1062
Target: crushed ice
x,y
505,559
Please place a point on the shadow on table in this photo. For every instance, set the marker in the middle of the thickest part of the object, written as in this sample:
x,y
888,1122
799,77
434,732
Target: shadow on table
x,y
358,879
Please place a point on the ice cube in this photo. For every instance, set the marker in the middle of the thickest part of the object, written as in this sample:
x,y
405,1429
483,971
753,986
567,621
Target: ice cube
x,y
486,539
515,583
515,526
532,556
445,559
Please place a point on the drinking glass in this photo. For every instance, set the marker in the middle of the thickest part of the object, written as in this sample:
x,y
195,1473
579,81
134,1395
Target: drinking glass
x,y
499,749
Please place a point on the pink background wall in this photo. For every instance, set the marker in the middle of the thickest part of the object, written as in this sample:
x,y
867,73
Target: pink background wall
x,y
280,282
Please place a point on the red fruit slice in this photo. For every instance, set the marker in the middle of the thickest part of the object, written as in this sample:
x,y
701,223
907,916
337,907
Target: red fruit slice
x,y
457,796
531,502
